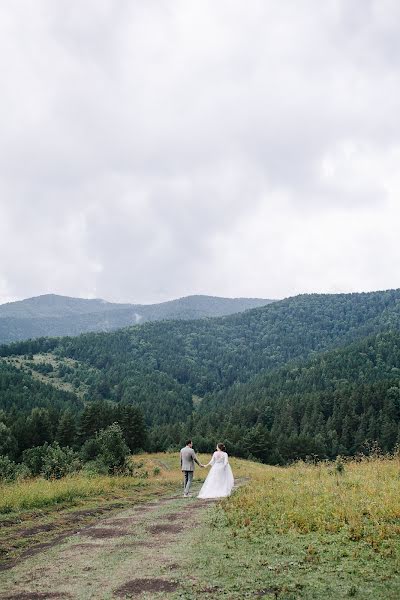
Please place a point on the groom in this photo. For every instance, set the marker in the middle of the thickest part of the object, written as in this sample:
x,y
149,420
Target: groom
x,y
188,458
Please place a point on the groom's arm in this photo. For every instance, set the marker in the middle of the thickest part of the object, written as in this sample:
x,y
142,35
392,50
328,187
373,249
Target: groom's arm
x,y
195,459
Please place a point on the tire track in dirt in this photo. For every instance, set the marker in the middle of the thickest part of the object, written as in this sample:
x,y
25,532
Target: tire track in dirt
x,y
125,555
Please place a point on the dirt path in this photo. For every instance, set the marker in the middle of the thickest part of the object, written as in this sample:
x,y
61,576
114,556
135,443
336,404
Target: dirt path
x,y
135,553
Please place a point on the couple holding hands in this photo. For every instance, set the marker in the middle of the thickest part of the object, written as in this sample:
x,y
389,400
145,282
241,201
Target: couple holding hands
x,y
219,481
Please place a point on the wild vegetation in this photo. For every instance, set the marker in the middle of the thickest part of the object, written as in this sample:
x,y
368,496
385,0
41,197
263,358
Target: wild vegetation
x,y
308,531
145,470
299,532
50,506
310,376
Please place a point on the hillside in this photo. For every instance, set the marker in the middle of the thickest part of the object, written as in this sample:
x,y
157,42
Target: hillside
x,y
297,368
208,355
52,315
336,402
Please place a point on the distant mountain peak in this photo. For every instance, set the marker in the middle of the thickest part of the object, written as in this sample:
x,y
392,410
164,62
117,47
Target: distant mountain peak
x,y
56,315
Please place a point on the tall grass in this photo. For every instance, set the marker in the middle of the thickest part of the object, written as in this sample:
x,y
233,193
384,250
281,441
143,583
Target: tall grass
x,y
155,471
360,499
169,465
40,493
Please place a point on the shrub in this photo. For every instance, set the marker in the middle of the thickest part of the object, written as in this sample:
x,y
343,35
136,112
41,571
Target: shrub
x,y
51,461
113,448
33,458
9,471
8,443
58,462
90,450
107,452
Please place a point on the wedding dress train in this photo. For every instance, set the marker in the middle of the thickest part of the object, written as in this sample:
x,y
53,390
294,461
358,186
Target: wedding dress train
x,y
219,481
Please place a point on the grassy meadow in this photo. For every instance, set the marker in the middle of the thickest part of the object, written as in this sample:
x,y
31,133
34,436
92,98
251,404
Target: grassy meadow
x,y
36,510
155,473
329,530
307,532
359,499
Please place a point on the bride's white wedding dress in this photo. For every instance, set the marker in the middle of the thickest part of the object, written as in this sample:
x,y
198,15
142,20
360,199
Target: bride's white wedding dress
x,y
219,481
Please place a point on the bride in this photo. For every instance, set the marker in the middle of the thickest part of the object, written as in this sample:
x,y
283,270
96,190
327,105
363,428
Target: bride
x,y
219,481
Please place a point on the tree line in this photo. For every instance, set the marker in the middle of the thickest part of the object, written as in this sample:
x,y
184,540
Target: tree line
x,y
315,375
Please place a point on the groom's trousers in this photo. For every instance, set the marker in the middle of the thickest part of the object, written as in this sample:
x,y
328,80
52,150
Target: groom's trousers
x,y
188,478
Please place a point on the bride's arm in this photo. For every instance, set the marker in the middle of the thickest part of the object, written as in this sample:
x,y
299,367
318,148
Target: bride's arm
x,y
212,461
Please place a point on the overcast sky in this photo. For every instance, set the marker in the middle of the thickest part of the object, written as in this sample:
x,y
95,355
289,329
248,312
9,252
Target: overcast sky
x,y
159,148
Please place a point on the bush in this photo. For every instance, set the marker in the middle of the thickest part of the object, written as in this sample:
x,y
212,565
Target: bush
x,y
90,450
33,458
113,448
9,471
51,461
58,462
107,453
8,443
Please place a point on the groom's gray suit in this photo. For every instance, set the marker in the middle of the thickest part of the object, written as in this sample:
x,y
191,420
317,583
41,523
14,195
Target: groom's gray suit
x,y
188,458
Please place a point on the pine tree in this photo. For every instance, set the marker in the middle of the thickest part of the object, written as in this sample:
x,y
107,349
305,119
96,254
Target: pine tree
x,y
8,443
39,427
66,430
133,426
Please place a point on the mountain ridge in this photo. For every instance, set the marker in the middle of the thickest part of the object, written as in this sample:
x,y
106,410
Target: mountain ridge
x,y
55,315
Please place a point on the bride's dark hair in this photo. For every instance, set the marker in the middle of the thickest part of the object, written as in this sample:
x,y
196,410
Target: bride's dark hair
x,y
221,447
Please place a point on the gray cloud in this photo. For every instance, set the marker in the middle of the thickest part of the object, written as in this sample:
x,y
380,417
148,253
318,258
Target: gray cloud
x,y
152,150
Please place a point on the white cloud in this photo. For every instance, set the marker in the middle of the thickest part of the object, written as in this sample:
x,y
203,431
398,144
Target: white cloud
x,y
152,150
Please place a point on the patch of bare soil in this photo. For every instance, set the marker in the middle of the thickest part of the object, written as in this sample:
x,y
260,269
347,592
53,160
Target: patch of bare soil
x,y
161,531
92,512
9,564
135,587
154,529
100,533
173,516
10,521
35,530
70,523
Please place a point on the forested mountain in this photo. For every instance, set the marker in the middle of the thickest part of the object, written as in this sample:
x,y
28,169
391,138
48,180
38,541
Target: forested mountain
x,y
52,315
313,374
335,402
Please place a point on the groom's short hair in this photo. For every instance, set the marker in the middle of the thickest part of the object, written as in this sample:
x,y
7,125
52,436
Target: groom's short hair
x,y
188,442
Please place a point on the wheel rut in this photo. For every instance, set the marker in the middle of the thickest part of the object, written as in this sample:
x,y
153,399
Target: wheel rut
x,y
125,555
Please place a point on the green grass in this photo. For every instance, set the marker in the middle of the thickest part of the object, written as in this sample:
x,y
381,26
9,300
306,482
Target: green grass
x,y
362,501
304,532
155,471
40,493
